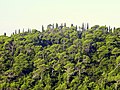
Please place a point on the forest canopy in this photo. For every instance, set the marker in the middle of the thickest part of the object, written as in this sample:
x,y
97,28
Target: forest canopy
x,y
61,58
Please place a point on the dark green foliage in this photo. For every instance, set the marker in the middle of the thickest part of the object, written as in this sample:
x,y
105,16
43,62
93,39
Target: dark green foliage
x,y
61,59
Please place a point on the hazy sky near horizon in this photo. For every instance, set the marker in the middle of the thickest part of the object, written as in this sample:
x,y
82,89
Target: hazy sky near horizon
x,y
19,14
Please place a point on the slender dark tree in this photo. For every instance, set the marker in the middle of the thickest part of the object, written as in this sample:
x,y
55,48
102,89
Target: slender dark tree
x,y
114,28
64,24
15,31
71,25
56,25
76,27
79,28
53,26
4,34
23,30
61,24
83,27
87,26
42,28
28,30
109,28
19,31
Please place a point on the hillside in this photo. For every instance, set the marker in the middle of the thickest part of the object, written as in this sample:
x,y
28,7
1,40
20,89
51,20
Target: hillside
x,y
61,58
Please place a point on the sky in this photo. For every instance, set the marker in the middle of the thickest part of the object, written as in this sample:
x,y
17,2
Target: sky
x,y
19,14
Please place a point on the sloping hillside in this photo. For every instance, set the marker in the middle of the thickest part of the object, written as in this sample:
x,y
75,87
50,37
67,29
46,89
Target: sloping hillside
x,y
61,58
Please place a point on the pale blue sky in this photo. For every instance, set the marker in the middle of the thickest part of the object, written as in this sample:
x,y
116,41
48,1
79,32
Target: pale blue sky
x,y
15,14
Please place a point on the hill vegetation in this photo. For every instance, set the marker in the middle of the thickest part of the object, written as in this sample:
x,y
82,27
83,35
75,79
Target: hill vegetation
x,y
61,58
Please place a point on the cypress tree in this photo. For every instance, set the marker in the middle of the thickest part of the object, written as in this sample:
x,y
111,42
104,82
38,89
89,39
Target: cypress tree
x,y
107,29
42,28
15,31
28,30
4,34
56,25
19,31
83,27
76,27
64,24
79,28
23,30
110,30
71,25
61,24
114,28
87,26
53,26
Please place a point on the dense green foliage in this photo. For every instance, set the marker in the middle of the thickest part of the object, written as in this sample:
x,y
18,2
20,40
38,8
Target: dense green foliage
x,y
61,58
